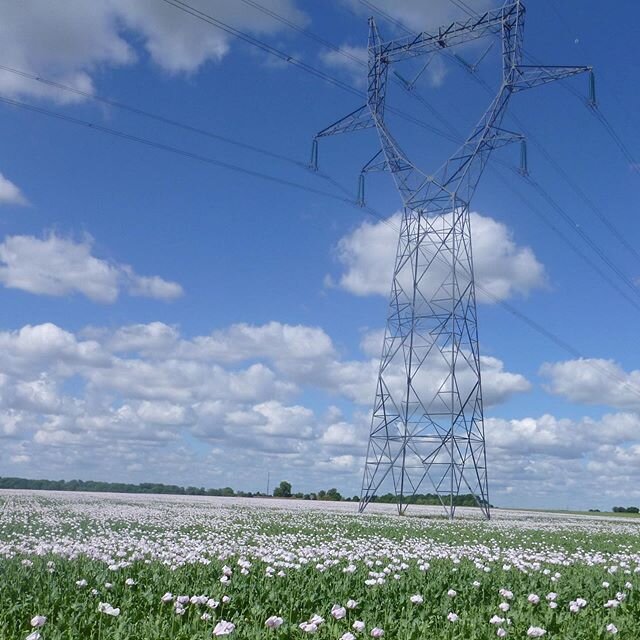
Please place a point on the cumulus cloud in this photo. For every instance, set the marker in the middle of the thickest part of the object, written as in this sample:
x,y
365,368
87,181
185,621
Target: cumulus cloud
x,y
594,381
80,400
140,399
583,462
417,15
10,193
57,266
502,267
68,42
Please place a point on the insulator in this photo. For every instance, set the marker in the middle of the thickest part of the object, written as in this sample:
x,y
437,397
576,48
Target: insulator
x,y
524,167
592,89
313,165
360,199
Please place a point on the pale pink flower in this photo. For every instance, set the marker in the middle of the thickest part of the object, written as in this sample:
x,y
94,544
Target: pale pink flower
x,y
501,633
611,628
338,612
452,617
167,597
535,632
38,621
504,607
358,626
533,598
351,604
273,622
417,599
452,593
377,632
223,628
347,636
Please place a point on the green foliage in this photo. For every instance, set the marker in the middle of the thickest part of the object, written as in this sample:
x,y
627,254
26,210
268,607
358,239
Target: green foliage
x,y
283,490
463,500
116,487
161,544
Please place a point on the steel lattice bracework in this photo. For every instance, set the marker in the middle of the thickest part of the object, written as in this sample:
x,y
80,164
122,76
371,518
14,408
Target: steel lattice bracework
x,y
427,422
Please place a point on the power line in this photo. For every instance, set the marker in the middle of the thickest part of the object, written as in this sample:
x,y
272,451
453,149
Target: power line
x,y
549,222
349,56
175,150
585,237
286,57
306,32
171,122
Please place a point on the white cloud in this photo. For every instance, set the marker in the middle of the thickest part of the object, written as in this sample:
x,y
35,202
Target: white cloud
x,y
418,15
577,463
352,60
10,193
69,41
502,268
594,381
57,266
114,403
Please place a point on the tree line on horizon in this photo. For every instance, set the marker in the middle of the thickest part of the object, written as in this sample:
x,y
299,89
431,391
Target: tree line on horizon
x,y
283,490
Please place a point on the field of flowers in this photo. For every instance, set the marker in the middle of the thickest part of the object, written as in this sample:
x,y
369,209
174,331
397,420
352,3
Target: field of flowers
x,y
103,566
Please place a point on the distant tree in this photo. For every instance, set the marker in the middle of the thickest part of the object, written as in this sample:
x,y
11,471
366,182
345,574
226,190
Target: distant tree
x,y
299,495
321,494
283,490
633,510
333,495
355,499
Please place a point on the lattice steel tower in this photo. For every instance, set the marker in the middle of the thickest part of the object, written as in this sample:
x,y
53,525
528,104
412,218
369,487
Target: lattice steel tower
x,y
427,422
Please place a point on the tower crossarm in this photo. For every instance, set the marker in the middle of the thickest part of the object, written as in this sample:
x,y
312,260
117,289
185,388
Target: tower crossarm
x,y
529,76
490,23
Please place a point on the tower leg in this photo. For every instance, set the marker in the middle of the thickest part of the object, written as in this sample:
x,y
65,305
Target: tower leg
x,y
427,429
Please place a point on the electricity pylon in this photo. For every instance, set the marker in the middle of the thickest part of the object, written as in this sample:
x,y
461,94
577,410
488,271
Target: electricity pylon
x,y
427,421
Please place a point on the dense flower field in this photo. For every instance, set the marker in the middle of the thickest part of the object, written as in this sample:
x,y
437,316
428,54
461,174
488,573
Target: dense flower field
x,y
78,566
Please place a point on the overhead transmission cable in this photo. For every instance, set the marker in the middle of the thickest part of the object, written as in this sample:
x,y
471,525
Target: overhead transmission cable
x,y
286,57
175,150
172,122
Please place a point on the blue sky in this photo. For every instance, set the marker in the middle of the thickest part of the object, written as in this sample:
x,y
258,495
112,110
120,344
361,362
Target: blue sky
x,y
165,319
